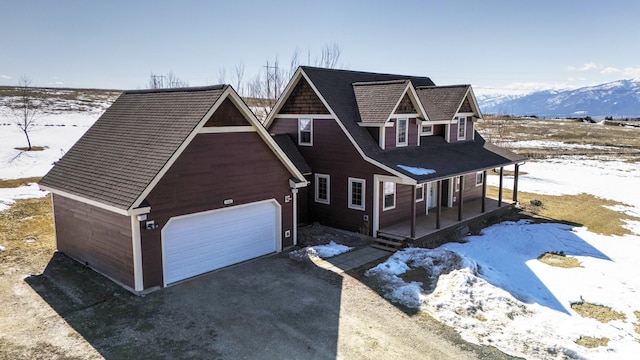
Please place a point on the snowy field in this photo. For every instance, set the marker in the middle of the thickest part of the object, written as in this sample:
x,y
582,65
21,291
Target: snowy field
x,y
494,291
57,132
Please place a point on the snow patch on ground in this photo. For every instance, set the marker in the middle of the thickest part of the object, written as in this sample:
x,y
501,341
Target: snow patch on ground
x,y
546,144
8,196
416,170
612,180
319,251
494,291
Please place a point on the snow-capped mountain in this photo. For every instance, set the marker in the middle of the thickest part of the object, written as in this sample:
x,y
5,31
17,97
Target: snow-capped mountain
x,y
618,99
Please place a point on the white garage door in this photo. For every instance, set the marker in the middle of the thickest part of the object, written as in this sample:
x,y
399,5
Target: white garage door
x,y
198,243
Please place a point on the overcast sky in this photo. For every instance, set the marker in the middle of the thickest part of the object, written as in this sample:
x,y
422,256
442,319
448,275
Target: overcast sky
x,y
489,44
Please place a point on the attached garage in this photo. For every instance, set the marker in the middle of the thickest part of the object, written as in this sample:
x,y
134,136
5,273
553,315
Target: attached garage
x,y
198,243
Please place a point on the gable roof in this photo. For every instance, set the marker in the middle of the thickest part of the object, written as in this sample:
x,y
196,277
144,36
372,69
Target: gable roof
x,y
115,163
289,147
377,99
442,102
350,98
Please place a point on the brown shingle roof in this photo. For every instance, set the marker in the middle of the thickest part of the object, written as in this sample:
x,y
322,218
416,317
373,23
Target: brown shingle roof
x,y
441,102
377,99
122,152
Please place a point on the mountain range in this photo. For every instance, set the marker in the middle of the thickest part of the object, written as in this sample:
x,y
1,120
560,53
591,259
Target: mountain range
x,y
618,99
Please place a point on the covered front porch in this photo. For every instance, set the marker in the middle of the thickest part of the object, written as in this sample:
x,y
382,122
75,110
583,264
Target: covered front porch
x,y
441,218
426,226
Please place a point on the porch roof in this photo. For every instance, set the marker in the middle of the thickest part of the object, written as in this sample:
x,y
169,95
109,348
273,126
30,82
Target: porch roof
x,y
436,159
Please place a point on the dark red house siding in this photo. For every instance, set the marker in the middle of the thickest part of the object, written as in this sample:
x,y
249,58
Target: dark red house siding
x,y
99,238
214,167
227,114
453,131
333,153
303,100
402,211
412,133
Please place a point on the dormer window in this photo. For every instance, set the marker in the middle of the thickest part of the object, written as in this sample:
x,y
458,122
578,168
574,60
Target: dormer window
x,y
462,127
426,130
401,132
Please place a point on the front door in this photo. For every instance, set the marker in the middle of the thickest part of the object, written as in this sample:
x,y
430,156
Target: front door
x,y
432,196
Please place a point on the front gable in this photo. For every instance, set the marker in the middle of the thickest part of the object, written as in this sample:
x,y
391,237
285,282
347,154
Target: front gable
x,y
227,114
303,100
406,106
465,107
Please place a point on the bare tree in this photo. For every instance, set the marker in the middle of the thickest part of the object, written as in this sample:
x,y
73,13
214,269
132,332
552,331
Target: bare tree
x,y
239,77
27,107
166,81
329,56
222,75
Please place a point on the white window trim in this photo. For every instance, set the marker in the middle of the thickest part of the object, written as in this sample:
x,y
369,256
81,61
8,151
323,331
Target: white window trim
x,y
364,186
464,128
456,183
423,133
316,188
420,186
482,174
406,132
310,143
384,195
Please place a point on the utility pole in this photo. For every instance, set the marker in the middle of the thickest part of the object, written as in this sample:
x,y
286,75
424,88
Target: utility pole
x,y
274,78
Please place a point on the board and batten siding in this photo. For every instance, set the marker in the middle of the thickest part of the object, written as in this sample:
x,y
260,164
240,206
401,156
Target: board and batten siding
x,y
333,153
214,168
98,238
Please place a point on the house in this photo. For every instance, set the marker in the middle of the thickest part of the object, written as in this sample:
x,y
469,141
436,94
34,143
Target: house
x,y
389,154
169,184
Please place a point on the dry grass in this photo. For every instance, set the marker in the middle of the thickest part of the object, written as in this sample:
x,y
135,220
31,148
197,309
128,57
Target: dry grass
x,y
582,209
33,148
12,183
26,232
591,342
637,325
559,260
602,313
621,142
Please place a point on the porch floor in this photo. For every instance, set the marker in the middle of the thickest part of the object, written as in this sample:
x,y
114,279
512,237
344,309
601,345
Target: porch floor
x,y
426,224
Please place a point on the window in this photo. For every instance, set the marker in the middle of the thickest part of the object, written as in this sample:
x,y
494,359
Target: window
x,y
456,181
419,192
322,188
389,195
426,130
356,193
479,178
401,132
462,127
305,132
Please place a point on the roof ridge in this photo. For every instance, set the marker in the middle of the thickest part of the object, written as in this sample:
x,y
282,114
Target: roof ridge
x,y
363,72
179,89
442,86
381,82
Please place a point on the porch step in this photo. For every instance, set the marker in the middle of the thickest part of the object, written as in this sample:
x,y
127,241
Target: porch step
x,y
388,242
384,247
385,235
392,243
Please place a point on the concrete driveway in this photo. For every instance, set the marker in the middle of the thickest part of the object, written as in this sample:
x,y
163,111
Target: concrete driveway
x,y
269,308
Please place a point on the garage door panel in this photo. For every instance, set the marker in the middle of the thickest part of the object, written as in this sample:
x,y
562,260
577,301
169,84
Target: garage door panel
x,y
199,243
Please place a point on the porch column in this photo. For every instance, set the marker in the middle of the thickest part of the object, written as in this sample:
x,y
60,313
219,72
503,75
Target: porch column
x,y
500,188
460,199
439,208
413,212
515,183
484,190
